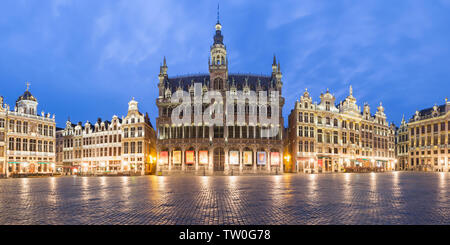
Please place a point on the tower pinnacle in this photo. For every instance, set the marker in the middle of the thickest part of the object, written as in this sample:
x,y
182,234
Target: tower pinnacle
x,y
218,22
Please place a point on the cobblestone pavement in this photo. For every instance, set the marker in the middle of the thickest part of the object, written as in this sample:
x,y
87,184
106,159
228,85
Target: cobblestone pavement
x,y
383,198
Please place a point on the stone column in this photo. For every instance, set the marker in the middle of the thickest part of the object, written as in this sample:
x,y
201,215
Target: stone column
x,y
241,160
196,159
255,159
169,158
183,162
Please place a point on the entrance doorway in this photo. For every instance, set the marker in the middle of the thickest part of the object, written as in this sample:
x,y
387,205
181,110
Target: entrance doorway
x,y
219,159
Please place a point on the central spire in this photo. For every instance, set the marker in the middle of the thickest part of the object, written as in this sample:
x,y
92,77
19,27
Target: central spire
x,y
218,64
218,22
218,38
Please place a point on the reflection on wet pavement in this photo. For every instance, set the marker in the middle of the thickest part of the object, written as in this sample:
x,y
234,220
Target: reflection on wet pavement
x,y
382,198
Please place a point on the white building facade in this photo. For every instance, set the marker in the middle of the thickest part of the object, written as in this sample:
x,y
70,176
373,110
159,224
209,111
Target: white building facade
x,y
27,140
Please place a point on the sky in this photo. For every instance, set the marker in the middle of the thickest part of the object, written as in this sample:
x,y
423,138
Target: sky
x,y
86,59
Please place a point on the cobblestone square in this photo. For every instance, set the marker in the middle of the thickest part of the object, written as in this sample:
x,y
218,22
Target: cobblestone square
x,y
382,198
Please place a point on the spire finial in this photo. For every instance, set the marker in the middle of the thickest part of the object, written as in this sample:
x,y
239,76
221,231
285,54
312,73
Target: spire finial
x,y
274,60
28,86
164,62
218,16
351,90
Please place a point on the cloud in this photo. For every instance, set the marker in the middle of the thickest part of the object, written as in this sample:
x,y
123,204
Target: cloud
x,y
56,6
285,12
385,50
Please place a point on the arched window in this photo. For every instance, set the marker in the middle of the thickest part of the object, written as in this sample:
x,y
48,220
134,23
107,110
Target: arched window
x,y
218,84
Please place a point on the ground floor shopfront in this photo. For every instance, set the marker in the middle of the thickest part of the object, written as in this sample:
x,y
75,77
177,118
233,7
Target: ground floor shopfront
x,y
110,167
29,168
429,164
219,160
330,163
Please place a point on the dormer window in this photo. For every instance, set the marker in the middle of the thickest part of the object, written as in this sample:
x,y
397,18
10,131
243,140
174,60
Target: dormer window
x,y
327,105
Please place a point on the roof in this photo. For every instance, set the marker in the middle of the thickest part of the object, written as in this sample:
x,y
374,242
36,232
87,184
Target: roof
x,y
238,79
27,96
429,111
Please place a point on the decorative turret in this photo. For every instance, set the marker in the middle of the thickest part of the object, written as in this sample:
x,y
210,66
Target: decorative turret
x,y
380,108
279,75
447,105
133,106
162,77
163,70
274,65
380,114
27,103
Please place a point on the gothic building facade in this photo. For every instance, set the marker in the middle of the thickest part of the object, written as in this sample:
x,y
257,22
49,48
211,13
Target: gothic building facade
x,y
330,137
27,139
121,146
230,146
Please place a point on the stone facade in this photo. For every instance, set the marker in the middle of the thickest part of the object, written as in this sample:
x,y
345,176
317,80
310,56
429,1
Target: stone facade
x,y
237,147
402,146
121,146
329,137
427,142
27,140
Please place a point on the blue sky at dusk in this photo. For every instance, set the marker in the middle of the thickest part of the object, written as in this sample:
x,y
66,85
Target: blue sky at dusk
x,y
86,59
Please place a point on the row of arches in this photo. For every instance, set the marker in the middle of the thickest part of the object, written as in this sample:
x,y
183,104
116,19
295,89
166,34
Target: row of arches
x,y
217,158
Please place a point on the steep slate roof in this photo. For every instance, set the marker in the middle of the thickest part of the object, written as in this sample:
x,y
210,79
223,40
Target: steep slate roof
x,y
239,79
429,111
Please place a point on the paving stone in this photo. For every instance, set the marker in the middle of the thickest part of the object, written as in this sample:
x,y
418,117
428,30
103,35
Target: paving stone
x,y
382,198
